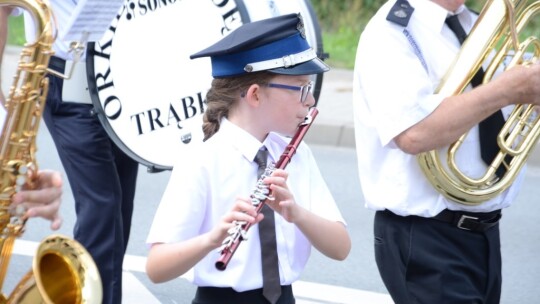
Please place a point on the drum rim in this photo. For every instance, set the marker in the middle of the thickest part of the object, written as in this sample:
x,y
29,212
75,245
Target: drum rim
x,y
100,113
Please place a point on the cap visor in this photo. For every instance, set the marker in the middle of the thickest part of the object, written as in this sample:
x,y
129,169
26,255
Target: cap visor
x,y
315,66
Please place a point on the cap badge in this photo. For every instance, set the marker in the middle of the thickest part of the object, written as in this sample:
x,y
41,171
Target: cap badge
x,y
300,26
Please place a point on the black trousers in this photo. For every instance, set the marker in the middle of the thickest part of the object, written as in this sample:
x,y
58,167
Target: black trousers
x,y
428,261
102,179
215,295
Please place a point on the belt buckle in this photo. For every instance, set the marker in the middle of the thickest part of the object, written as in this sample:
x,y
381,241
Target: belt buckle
x,y
462,220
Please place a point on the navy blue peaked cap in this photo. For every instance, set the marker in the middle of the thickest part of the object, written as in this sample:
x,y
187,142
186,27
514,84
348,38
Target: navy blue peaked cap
x,y
277,45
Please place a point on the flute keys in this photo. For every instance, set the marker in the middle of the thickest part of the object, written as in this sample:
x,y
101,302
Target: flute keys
x,y
255,201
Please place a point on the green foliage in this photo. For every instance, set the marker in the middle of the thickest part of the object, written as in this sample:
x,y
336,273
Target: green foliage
x,y
16,30
336,14
342,22
341,47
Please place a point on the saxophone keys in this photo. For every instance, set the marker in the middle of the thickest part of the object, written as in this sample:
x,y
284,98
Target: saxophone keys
x,y
19,211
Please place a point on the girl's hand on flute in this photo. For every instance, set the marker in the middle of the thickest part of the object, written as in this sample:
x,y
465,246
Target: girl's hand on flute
x,y
242,210
284,202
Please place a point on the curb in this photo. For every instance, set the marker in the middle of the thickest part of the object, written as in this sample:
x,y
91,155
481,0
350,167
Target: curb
x,y
331,135
335,124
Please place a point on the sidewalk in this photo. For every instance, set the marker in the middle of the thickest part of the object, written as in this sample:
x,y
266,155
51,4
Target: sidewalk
x,y
334,124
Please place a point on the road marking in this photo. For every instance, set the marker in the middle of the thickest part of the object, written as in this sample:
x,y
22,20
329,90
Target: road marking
x,y
305,292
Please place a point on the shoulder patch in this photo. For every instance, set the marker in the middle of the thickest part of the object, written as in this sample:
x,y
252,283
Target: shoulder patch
x,y
400,13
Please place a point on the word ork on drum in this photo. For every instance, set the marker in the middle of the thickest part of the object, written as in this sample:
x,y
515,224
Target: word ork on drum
x,y
169,113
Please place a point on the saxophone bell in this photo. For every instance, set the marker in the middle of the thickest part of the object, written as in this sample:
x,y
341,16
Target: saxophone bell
x,y
63,272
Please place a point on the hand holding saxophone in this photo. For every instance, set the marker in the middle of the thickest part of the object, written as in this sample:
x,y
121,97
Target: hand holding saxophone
x,y
43,200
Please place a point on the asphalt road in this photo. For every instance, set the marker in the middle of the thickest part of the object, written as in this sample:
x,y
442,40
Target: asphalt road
x,y
354,280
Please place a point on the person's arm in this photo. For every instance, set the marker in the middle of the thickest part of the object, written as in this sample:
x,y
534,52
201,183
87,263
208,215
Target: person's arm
x,y
5,11
458,114
329,237
167,261
44,200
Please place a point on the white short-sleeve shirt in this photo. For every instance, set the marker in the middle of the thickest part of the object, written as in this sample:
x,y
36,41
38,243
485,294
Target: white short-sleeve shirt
x,y
62,9
392,91
202,188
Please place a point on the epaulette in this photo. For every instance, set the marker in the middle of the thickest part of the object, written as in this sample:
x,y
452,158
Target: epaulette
x,y
400,13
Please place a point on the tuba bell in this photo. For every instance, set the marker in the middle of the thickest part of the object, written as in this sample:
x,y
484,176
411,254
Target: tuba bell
x,y
493,39
62,271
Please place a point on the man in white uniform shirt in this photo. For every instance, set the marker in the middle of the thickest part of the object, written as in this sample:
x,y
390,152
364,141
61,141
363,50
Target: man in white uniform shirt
x,y
428,249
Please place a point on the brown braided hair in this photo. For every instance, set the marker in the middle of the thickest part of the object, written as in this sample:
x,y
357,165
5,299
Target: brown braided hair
x,y
224,94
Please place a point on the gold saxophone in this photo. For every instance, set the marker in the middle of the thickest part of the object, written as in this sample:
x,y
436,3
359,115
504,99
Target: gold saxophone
x,y
495,33
62,271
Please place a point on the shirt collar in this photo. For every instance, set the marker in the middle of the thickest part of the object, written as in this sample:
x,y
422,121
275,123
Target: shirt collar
x,y
433,15
465,17
239,138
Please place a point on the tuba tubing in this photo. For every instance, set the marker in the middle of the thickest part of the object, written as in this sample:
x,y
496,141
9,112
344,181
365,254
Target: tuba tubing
x,y
62,270
520,133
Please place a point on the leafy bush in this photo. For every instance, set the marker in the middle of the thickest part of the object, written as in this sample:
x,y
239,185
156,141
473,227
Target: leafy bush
x,y
341,23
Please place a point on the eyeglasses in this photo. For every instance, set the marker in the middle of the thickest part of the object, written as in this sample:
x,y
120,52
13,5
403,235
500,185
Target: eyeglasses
x,y
304,90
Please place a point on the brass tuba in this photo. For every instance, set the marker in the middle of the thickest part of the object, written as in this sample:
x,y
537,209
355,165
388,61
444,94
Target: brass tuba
x,y
493,38
63,271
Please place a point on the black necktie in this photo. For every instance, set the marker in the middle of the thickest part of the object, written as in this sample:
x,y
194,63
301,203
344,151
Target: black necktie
x,y
488,128
267,235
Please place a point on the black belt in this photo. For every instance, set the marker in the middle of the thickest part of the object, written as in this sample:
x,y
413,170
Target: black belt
x,y
57,64
473,221
228,295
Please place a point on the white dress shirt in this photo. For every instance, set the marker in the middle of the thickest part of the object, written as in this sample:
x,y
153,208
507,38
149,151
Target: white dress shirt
x,y
202,188
392,91
62,9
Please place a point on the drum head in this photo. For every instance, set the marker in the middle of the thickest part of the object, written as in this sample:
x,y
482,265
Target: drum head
x,y
148,94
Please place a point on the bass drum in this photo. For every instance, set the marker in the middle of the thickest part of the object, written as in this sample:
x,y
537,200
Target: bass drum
x,y
148,94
